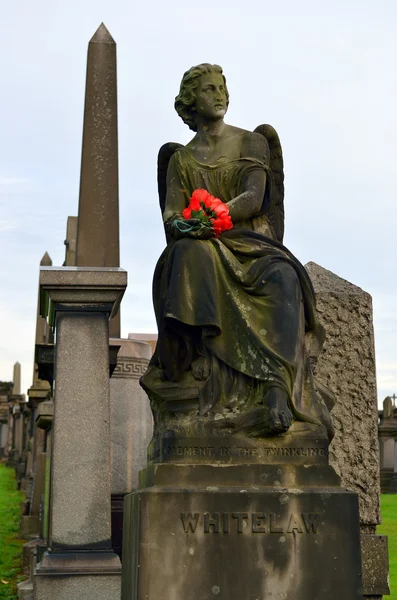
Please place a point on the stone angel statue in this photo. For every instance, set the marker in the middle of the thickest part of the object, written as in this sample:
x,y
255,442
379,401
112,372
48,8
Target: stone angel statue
x,y
235,313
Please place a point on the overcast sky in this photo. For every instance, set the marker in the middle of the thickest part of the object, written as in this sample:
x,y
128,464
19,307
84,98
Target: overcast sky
x,y
322,73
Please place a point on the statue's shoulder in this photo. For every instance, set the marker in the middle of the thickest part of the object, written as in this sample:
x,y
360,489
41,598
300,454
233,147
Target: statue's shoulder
x,y
252,144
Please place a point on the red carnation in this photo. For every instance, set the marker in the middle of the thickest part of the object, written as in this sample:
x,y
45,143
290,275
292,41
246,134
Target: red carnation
x,y
208,210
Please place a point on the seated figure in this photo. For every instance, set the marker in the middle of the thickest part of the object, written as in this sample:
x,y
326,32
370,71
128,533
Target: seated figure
x,y
235,313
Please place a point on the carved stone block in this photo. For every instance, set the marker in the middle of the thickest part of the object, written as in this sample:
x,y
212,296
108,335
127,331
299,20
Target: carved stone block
x,y
210,536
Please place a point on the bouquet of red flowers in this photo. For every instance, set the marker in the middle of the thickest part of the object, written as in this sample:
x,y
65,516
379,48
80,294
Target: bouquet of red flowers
x,y
208,210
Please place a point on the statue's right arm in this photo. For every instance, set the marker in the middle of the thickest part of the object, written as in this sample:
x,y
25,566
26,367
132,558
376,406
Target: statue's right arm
x,y
175,201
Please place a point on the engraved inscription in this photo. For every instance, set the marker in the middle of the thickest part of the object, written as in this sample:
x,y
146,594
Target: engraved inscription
x,y
267,453
189,451
274,451
239,522
211,521
130,367
190,521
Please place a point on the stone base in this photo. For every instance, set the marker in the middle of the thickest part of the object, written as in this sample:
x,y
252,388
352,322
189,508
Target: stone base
x,y
31,553
25,590
239,532
78,576
375,564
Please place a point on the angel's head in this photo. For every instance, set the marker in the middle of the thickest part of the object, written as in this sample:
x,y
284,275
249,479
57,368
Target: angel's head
x,y
203,90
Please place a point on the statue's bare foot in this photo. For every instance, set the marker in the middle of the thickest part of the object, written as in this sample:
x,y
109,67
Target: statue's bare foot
x,y
201,368
280,416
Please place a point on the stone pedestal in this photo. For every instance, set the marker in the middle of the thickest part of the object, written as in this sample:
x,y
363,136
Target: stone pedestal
x,y
241,531
80,563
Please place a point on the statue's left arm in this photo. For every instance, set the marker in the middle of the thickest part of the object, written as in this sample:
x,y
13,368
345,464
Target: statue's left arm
x,y
250,201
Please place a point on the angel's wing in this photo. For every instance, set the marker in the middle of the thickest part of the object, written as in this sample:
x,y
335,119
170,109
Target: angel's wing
x,y
163,160
275,212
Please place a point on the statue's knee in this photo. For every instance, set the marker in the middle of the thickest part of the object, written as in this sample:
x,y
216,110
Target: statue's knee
x,y
285,277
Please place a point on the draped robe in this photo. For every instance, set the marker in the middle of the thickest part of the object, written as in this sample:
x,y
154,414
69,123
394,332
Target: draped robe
x,y
242,301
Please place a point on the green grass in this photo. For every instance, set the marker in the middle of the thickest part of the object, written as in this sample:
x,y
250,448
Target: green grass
x,y
10,544
389,528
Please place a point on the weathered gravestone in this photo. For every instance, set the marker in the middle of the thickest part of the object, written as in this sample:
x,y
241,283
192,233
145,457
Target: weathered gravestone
x,y
5,390
238,500
387,435
130,427
346,364
17,403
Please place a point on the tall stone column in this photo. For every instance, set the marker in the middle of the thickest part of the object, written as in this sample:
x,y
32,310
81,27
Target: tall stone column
x,y
98,217
80,563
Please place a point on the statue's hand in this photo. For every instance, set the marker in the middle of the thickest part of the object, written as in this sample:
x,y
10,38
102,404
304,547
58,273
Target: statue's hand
x,y
192,228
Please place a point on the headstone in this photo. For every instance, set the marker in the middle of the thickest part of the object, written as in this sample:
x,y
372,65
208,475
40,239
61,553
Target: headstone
x,y
131,427
387,408
98,216
347,365
387,434
5,390
16,402
80,563
149,338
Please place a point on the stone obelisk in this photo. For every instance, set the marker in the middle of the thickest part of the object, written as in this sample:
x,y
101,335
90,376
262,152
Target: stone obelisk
x,y
98,217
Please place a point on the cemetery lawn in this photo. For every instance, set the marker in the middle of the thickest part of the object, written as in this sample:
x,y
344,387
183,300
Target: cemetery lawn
x,y
10,544
389,528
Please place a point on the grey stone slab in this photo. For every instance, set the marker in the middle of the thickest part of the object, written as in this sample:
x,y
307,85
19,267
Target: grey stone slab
x,y
131,423
241,542
347,366
76,286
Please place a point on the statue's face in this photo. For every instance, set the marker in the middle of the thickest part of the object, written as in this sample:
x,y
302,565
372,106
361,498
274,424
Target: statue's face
x,y
211,100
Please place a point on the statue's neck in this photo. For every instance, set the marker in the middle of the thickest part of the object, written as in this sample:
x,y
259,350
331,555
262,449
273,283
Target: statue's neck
x,y
206,130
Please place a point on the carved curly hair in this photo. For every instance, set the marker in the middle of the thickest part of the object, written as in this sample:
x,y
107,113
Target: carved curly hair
x,y
186,99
